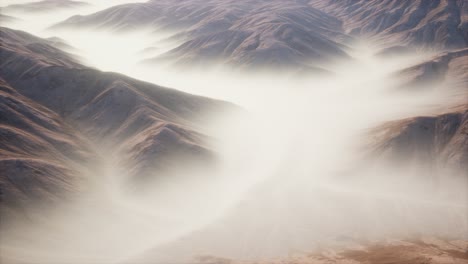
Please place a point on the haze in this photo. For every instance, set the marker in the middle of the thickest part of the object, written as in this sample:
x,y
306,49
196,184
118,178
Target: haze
x,y
291,174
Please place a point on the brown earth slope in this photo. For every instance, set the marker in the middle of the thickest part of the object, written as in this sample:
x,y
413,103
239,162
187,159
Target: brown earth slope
x,y
429,23
245,33
145,123
293,33
39,152
424,251
439,140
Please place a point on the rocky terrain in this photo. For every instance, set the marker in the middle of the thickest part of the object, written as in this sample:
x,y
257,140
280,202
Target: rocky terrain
x,y
432,24
247,33
427,251
449,68
300,33
54,107
63,123
439,140
40,154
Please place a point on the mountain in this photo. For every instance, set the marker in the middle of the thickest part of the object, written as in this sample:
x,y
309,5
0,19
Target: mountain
x,y
39,152
271,34
64,125
295,33
439,141
277,35
52,104
450,67
246,33
432,24
45,5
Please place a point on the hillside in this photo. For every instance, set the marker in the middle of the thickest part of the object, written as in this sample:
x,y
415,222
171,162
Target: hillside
x,y
431,24
247,33
52,102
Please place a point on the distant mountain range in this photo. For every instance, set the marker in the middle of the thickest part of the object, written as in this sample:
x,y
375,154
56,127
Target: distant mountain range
x,y
278,33
246,33
45,5
439,24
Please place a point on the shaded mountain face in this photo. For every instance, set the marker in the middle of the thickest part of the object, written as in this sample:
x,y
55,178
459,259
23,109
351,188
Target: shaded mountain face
x,y
279,34
39,153
246,33
433,24
51,105
439,141
451,67
295,33
46,5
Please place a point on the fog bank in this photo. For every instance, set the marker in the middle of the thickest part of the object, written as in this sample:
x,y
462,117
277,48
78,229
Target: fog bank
x,y
291,175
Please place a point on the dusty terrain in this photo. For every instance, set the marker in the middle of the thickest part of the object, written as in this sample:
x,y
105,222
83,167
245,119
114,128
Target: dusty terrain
x,y
300,34
56,107
108,150
425,251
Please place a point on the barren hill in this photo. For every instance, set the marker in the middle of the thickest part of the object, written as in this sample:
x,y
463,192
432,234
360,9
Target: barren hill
x,y
434,24
294,33
50,102
247,33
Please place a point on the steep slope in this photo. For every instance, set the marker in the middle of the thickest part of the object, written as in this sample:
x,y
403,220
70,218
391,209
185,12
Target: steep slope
x,y
433,24
247,33
451,67
39,153
142,122
294,33
272,35
439,141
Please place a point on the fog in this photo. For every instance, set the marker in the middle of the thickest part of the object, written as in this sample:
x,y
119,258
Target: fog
x,y
291,175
